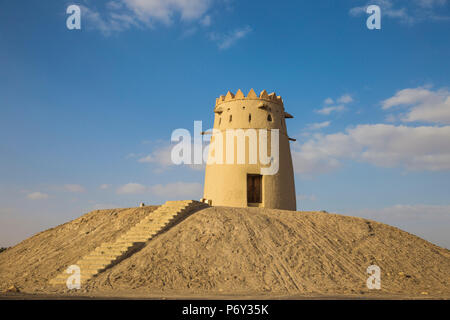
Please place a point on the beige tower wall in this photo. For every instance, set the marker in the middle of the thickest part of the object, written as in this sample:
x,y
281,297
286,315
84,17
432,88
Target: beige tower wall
x,y
226,184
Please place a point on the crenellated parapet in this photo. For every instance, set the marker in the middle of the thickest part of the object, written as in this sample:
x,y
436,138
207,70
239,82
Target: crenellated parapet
x,y
264,96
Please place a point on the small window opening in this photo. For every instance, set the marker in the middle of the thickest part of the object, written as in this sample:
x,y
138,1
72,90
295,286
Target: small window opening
x,y
249,117
231,117
269,118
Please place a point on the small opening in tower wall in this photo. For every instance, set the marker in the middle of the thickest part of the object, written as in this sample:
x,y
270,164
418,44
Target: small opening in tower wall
x,y
254,188
231,118
220,121
269,118
249,117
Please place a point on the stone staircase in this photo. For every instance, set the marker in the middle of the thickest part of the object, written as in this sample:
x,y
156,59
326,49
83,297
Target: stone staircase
x,y
108,254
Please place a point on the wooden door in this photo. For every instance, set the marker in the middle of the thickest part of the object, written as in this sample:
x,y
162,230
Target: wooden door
x,y
254,188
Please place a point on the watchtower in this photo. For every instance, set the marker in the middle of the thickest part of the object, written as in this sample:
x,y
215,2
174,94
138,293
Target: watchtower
x,y
250,184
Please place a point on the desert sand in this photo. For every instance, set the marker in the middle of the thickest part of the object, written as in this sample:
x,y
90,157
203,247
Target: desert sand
x,y
225,252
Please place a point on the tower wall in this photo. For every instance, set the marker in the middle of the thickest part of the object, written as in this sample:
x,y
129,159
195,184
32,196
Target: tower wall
x,y
226,184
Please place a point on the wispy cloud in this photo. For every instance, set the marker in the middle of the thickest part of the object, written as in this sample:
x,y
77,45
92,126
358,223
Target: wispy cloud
x,y
408,12
132,188
121,15
346,98
225,41
195,15
328,101
318,125
328,108
37,196
160,156
423,105
109,22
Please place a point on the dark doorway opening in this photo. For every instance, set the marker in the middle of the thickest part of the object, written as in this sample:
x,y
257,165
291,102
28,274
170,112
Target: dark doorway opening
x,y
254,188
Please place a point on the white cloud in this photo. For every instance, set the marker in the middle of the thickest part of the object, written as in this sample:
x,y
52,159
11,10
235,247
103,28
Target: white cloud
x,y
132,188
76,188
411,148
224,41
121,15
342,100
329,110
164,10
328,101
408,12
387,9
105,186
160,156
424,105
318,125
206,21
430,3
346,98
37,196
109,22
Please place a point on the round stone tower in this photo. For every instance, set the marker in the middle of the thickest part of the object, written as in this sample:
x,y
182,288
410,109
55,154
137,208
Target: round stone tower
x,y
255,126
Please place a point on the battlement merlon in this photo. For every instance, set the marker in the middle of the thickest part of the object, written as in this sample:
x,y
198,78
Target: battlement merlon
x,y
250,96
264,96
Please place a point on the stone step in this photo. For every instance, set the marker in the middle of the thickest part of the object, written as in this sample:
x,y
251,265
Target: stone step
x,y
116,246
158,217
135,238
106,250
142,241
112,247
107,254
110,257
150,228
155,222
96,261
171,202
143,231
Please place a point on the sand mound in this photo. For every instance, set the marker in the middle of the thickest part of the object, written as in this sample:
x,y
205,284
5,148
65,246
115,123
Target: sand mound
x,y
245,251
33,262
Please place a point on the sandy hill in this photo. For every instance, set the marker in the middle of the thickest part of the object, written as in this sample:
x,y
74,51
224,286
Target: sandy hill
x,y
236,251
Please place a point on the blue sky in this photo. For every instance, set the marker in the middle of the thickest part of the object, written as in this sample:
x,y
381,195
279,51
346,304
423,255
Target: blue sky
x,y
86,115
